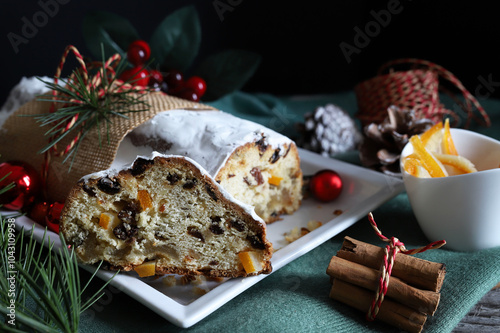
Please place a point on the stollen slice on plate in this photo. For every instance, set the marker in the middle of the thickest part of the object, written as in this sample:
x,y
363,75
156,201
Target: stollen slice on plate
x,y
164,214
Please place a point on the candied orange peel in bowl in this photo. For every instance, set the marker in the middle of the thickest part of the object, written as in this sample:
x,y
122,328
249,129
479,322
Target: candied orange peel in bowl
x,y
463,207
435,155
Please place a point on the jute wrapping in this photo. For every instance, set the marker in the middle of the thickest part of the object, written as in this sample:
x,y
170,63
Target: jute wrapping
x,y
21,138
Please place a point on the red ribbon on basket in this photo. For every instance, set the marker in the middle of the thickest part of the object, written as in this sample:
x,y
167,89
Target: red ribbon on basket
x,y
395,246
415,89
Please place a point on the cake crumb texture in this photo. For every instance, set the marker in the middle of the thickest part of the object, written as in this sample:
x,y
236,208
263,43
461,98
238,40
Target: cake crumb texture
x,y
164,210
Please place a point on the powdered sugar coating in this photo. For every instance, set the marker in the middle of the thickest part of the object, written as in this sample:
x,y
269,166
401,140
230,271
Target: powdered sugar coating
x,y
26,90
208,137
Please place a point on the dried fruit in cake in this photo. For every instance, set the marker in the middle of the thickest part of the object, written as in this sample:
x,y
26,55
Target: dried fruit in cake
x,y
163,215
255,164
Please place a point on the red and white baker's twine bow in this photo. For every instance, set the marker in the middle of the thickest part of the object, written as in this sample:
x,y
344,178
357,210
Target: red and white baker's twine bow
x,y
469,99
91,83
395,246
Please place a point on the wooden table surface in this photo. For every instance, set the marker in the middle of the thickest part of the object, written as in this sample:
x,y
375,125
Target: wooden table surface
x,y
484,317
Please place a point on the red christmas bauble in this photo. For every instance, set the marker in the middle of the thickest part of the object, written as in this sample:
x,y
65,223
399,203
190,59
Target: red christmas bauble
x,y
325,185
27,184
53,216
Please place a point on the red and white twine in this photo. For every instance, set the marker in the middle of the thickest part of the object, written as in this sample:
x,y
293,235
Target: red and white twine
x,y
390,251
92,83
415,88
469,99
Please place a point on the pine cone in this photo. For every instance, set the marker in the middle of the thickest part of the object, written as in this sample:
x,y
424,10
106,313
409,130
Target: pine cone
x,y
383,143
328,130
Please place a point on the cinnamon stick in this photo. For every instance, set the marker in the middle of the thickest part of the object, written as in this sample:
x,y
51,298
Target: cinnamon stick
x,y
390,311
368,278
417,272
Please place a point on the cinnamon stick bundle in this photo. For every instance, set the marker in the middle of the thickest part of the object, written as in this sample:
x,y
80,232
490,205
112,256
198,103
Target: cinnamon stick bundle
x,y
424,301
417,272
412,292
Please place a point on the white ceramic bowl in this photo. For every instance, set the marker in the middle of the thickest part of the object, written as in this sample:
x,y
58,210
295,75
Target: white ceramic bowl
x,y
464,210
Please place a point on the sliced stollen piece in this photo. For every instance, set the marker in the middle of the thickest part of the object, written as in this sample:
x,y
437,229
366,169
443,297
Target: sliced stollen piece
x,y
255,164
164,212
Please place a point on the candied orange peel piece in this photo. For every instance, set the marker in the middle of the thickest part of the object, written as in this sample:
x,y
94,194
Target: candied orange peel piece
x,y
146,269
426,136
429,162
432,139
448,144
105,219
414,167
456,161
275,180
250,261
144,199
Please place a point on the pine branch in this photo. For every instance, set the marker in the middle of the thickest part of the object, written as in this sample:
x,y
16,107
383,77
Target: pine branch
x,y
76,98
48,292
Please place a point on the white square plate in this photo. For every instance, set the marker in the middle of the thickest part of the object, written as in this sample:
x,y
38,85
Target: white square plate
x,y
363,191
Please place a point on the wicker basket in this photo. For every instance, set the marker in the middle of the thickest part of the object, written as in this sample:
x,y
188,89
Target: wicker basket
x,y
415,88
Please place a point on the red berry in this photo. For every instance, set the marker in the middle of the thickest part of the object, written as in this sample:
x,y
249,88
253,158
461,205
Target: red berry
x,y
189,94
197,84
164,87
53,216
174,80
155,77
39,211
138,52
326,185
136,76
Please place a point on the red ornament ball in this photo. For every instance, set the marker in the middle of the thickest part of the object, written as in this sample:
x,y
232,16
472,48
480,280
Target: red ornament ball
x,y
53,216
27,184
325,185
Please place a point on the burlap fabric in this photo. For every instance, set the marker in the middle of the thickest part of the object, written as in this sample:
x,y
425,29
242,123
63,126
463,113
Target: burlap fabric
x,y
21,138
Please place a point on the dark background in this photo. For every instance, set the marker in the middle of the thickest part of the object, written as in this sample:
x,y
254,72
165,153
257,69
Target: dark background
x,y
299,42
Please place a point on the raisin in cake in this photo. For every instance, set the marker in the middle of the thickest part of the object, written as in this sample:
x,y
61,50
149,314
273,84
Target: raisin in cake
x,y
164,212
255,164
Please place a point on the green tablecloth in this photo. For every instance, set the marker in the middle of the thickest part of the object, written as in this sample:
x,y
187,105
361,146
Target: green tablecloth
x,y
295,298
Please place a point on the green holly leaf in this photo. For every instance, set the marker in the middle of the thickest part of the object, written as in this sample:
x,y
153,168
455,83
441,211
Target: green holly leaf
x,y
114,32
227,71
176,41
